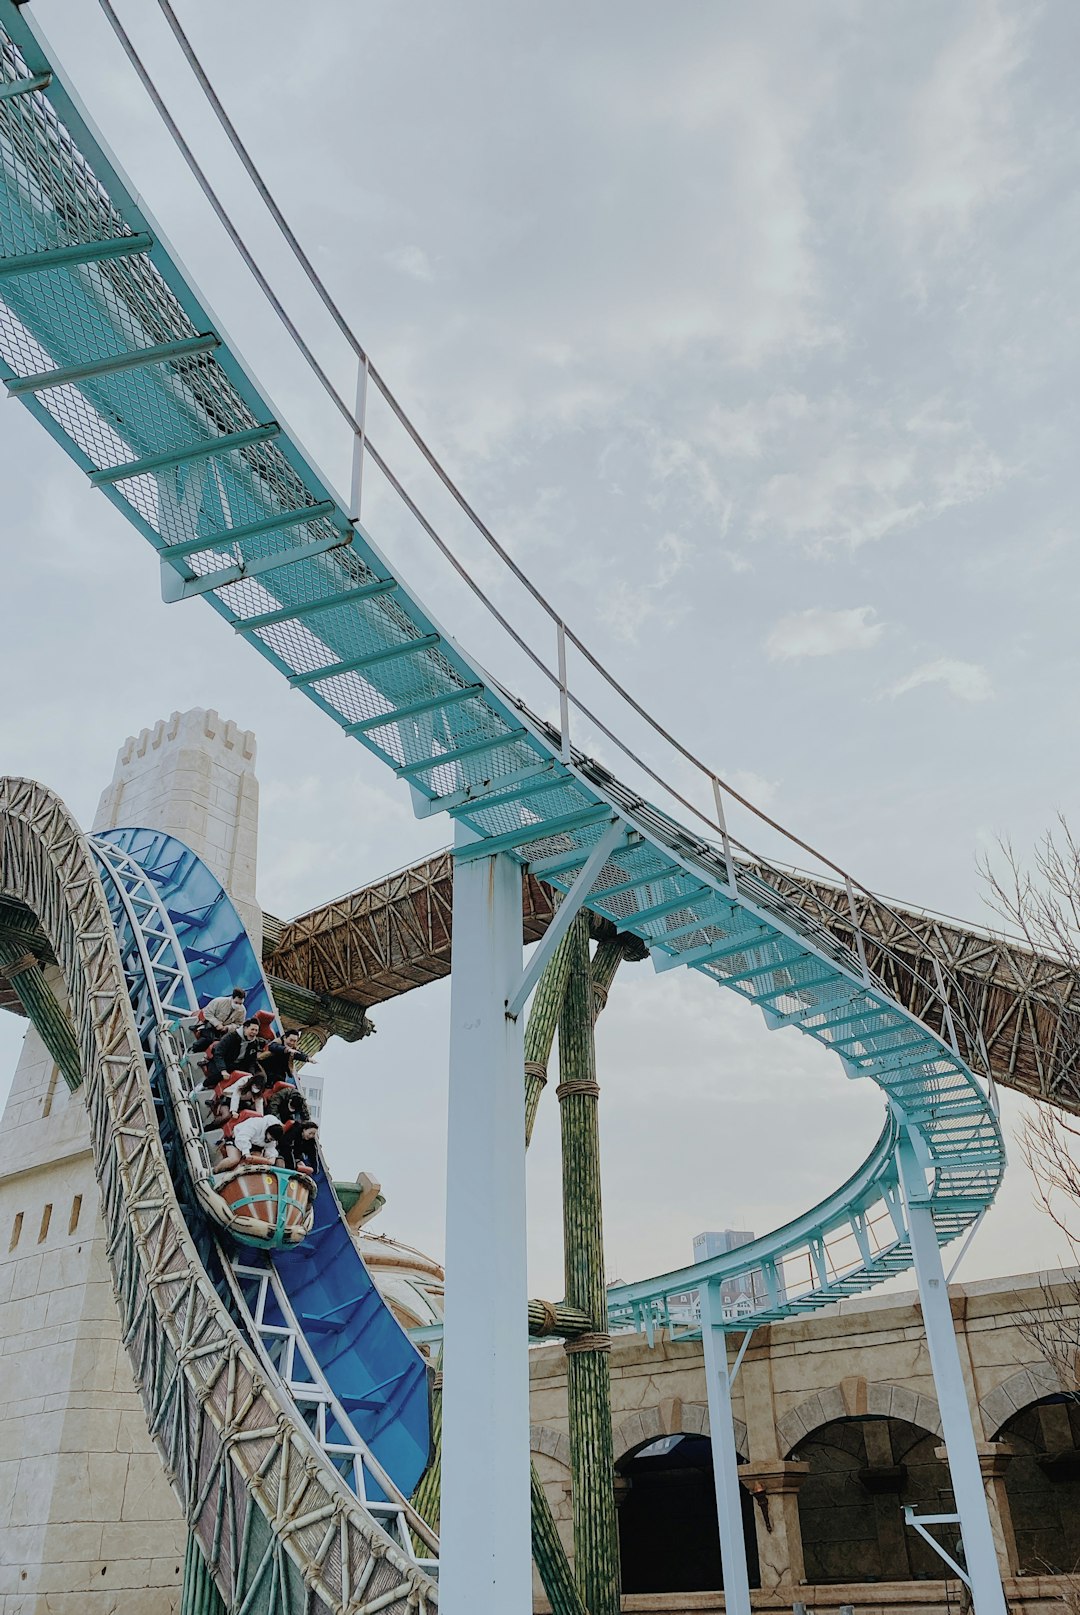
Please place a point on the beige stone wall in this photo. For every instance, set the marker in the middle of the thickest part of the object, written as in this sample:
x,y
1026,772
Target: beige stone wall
x,y
88,1521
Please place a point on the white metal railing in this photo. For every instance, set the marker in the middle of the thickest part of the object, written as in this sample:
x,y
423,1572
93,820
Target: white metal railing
x,y
288,1356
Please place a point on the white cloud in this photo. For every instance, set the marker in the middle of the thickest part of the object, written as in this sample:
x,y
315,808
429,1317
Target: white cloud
x,y
863,477
755,787
412,261
963,148
967,681
817,632
629,606
744,432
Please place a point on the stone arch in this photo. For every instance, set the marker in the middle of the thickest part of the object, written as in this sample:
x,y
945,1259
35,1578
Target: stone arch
x,y
670,1418
856,1398
552,1443
1027,1385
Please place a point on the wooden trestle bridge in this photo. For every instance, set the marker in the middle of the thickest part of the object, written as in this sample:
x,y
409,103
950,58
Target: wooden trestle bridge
x,y
330,965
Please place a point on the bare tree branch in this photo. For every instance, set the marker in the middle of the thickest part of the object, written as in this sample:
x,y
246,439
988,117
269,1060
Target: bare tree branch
x,y
1043,904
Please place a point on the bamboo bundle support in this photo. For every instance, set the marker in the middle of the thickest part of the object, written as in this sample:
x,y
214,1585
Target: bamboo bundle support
x,y
549,1555
596,1540
36,997
199,1595
557,1320
540,1028
427,1498
605,961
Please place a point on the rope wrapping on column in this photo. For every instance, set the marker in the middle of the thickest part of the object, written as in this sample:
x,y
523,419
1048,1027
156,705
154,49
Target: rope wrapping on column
x,y
590,1090
594,1342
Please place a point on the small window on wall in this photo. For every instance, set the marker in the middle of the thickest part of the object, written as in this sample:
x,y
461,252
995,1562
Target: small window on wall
x,y
50,1091
46,1219
16,1231
76,1212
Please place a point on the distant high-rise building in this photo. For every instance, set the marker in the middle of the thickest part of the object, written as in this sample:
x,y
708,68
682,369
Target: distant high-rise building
x,y
718,1243
310,1084
746,1292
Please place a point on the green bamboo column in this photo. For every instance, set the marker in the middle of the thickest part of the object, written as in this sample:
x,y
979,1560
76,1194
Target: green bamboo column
x,y
199,1595
549,1555
540,1028
427,1498
596,1540
36,997
605,961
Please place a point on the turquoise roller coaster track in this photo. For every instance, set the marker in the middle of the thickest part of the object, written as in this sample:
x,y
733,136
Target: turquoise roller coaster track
x,y
104,338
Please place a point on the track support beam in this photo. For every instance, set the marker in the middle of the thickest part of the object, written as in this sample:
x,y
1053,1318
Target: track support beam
x,y
725,1460
565,915
486,1388
956,1426
225,444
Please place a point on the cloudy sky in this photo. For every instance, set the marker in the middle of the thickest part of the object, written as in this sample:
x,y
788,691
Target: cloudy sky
x,y
751,331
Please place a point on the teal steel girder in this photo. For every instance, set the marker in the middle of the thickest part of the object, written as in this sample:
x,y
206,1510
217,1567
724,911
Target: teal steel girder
x,y
69,375
149,463
78,252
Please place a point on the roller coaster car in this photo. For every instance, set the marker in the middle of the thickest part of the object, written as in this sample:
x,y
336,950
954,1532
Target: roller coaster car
x,y
257,1204
265,1205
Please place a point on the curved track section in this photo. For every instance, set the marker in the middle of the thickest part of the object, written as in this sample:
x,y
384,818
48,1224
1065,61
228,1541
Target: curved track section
x,y
227,1404
109,344
176,924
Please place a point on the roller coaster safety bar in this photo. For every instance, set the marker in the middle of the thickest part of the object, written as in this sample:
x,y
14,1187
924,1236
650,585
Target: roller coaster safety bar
x,y
106,341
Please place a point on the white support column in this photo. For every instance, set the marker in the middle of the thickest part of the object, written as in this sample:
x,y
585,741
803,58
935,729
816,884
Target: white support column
x,y
485,1558
956,1427
724,1458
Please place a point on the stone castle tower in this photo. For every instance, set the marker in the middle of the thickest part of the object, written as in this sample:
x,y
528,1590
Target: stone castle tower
x,y
88,1523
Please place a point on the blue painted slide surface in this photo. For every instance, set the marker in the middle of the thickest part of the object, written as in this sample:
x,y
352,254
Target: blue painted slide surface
x,y
368,1361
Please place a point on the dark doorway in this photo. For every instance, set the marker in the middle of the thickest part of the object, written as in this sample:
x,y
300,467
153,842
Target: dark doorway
x,y
851,1504
1043,1485
668,1537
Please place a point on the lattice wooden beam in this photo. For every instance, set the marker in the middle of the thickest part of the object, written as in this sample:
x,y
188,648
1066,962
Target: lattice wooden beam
x,y
387,938
394,935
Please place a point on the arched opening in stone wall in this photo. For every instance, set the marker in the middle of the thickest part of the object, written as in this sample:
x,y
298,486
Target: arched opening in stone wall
x,y
851,1504
668,1536
1042,1483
